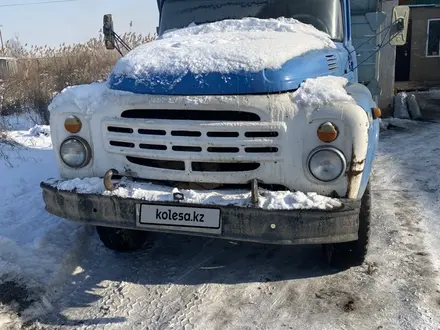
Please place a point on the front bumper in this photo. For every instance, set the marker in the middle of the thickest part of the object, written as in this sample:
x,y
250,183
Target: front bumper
x,y
237,223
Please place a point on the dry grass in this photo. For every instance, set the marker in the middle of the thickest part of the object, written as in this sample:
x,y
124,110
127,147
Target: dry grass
x,y
44,71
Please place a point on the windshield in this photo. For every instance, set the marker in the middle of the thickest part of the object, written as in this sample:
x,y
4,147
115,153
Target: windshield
x,y
325,15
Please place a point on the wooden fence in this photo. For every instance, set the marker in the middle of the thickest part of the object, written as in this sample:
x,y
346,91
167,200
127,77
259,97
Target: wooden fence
x,y
8,65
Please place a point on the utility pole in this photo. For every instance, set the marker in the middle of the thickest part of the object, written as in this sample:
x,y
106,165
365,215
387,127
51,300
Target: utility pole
x,y
1,40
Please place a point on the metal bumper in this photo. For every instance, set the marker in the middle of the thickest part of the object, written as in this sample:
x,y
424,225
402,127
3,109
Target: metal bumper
x,y
237,223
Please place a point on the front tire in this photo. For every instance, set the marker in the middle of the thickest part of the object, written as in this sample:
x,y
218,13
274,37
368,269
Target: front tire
x,y
352,254
122,240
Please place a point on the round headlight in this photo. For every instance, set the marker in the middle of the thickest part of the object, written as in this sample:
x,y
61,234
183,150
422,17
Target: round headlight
x,y
326,164
75,152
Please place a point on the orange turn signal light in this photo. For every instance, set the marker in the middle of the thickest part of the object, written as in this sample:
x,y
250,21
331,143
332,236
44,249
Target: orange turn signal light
x,y
328,132
72,124
377,113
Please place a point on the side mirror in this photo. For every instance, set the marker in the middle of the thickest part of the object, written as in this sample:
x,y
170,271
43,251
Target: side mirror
x,y
399,30
109,37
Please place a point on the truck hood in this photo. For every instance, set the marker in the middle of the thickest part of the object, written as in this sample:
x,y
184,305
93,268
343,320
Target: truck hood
x,y
248,56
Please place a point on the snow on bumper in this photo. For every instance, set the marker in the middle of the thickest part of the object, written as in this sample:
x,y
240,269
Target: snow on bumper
x,y
280,217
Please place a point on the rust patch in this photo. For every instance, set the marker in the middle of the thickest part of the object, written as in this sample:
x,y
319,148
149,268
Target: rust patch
x,y
352,172
355,173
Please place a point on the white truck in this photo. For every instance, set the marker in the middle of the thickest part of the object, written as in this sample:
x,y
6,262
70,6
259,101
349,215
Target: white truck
x,y
244,120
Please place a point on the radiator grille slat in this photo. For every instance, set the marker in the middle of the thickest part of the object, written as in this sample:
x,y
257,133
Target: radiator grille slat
x,y
193,115
156,163
224,167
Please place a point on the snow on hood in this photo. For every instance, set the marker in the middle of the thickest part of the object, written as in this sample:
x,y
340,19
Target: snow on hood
x,y
229,46
83,97
322,90
312,93
87,97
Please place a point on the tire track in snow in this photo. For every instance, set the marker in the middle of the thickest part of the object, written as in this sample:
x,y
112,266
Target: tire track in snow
x,y
170,294
178,314
189,308
145,305
191,299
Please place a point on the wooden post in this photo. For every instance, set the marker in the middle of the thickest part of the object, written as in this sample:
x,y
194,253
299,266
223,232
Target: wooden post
x,y
1,40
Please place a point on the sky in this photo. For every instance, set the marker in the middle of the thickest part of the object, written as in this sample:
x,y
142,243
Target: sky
x,y
73,21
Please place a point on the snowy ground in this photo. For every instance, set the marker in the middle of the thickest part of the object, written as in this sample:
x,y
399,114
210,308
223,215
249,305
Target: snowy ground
x,y
62,272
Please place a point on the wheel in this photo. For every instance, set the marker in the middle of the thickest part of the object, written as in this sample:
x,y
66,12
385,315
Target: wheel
x,y
353,253
122,240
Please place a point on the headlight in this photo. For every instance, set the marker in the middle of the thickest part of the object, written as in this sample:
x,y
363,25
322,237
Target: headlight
x,y
326,164
75,152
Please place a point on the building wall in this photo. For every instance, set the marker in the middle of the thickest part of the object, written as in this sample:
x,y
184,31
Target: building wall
x,y
386,63
423,68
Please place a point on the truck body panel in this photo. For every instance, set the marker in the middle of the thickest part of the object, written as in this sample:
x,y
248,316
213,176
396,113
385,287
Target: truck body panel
x,y
277,141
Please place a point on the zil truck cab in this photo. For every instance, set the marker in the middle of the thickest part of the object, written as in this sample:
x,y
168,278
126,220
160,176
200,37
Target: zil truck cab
x,y
243,120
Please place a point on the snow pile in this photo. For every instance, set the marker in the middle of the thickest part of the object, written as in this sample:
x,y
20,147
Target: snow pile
x,y
321,91
84,186
228,46
87,98
38,130
388,123
270,200
401,106
36,248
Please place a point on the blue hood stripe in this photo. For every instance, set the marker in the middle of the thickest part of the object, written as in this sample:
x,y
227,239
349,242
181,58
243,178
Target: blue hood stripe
x,y
287,78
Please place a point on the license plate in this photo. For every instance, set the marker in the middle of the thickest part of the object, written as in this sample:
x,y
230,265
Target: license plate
x,y
179,216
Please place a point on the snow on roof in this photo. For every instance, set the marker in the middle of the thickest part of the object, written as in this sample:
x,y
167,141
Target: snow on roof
x,y
249,44
322,90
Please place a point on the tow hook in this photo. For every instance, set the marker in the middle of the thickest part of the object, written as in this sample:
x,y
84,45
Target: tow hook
x,y
108,184
178,197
